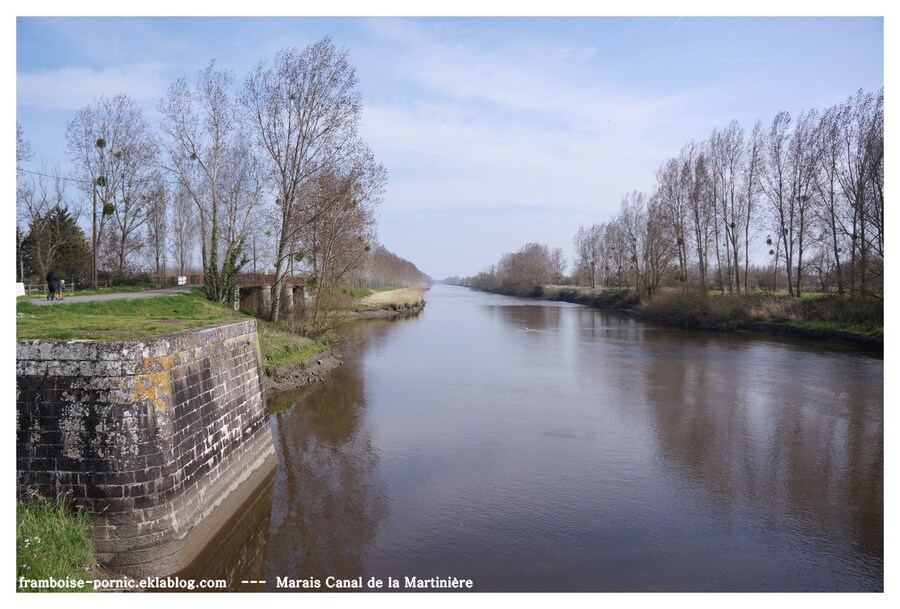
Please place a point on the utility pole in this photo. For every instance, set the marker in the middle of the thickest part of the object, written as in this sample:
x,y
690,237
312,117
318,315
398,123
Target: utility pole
x,y
95,237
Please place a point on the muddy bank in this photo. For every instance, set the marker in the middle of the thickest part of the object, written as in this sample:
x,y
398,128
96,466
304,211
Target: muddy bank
x,y
300,374
833,336
393,311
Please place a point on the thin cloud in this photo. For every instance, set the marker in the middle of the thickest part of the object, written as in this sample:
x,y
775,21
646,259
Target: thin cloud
x,y
73,88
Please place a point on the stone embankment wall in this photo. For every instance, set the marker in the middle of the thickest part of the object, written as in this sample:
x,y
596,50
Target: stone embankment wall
x,y
160,439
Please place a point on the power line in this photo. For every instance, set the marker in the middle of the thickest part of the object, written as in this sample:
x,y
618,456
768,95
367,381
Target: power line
x,y
55,177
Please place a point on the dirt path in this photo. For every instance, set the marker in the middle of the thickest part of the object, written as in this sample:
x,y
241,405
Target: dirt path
x,y
101,297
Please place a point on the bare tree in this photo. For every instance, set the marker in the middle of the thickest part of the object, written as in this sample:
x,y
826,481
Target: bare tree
x,y
673,190
39,200
305,111
183,229
861,176
701,210
778,188
525,270
615,248
341,205
828,196
338,240
157,228
587,250
112,145
213,162
804,154
726,154
558,261
23,153
646,239
388,269
752,171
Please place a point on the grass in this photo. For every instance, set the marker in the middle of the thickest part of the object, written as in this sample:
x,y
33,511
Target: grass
x,y
396,299
868,329
91,291
360,293
52,541
281,347
119,319
141,317
123,289
820,311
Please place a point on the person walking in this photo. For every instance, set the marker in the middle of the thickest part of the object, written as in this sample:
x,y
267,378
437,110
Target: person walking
x,y
52,285
60,288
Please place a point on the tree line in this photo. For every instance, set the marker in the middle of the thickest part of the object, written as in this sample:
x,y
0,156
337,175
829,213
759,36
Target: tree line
x,y
807,193
271,175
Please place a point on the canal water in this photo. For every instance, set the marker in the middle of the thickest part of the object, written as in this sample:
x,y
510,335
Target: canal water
x,y
539,446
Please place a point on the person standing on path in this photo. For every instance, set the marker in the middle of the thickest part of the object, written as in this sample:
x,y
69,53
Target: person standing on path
x,y
51,285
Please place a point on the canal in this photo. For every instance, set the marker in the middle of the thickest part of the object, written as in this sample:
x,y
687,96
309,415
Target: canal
x,y
541,446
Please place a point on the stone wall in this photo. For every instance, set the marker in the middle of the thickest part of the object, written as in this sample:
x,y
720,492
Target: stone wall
x,y
160,439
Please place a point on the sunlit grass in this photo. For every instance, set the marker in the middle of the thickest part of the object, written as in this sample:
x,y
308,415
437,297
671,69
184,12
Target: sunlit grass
x,y
52,541
279,347
141,317
119,319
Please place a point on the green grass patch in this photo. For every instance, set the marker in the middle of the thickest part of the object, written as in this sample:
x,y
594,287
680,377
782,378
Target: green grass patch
x,y
122,289
360,293
91,291
141,317
280,347
119,319
868,330
357,292
52,541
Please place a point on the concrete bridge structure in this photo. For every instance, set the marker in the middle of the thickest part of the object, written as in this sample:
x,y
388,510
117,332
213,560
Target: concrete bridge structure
x,y
254,293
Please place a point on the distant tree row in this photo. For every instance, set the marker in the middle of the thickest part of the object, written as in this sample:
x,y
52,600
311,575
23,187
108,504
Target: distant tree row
x,y
521,272
387,269
811,188
806,192
272,173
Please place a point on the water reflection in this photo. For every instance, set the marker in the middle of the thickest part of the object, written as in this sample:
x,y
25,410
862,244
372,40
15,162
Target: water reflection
x,y
327,503
545,446
238,553
779,437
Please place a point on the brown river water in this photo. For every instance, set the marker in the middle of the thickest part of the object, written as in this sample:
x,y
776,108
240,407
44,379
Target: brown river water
x,y
525,445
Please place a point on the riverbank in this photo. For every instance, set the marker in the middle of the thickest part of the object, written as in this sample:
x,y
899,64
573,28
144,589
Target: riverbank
x,y
288,362
392,303
285,376
831,318
295,375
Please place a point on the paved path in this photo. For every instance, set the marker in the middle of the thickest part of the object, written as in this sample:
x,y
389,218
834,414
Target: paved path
x,y
99,297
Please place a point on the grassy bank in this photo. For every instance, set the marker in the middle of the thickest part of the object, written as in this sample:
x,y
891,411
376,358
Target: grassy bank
x,y
119,319
138,318
398,299
863,316
280,347
854,319
51,541
600,298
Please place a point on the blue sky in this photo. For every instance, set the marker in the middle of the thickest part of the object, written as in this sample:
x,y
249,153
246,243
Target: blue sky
x,y
494,131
